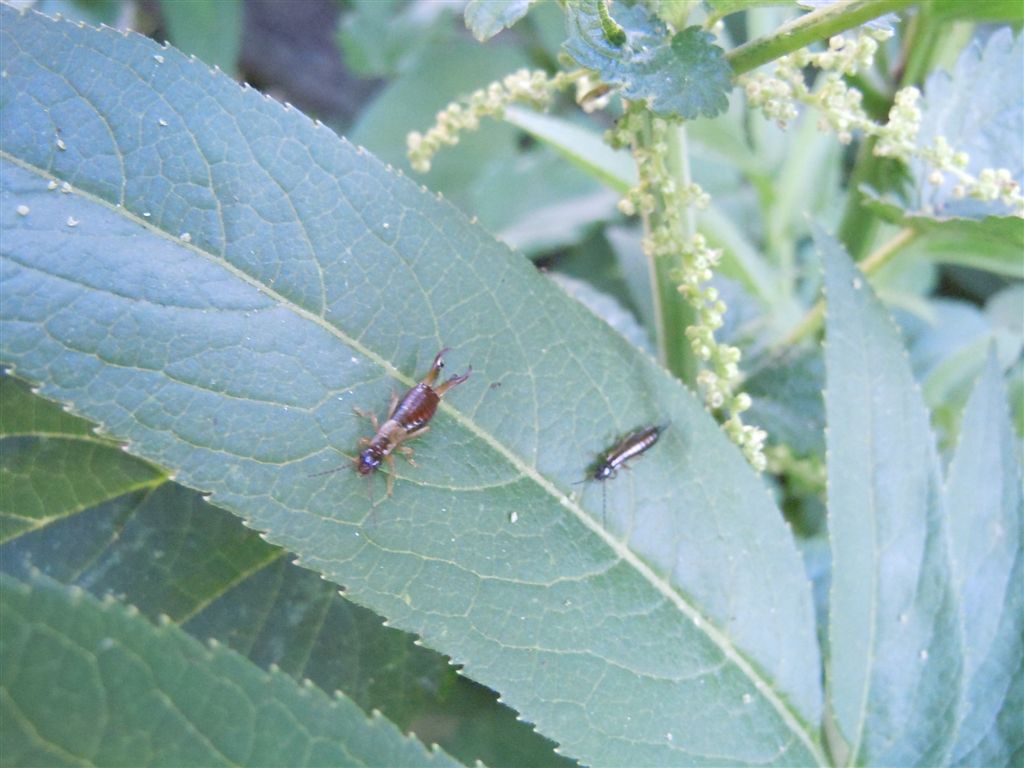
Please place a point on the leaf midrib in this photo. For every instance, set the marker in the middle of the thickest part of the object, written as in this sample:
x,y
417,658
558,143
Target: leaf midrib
x,y
761,684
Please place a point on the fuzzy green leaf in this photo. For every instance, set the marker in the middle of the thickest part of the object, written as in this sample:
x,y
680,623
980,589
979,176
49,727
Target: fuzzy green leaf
x,y
895,644
313,280
977,110
84,682
683,75
987,525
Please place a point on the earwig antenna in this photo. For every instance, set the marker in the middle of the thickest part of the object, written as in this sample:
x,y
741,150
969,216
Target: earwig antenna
x,y
604,506
333,470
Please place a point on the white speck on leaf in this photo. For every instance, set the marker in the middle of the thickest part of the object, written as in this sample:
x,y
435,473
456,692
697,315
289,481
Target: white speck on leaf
x,y
72,221
52,185
61,145
747,698
162,122
65,188
23,210
924,654
513,517
857,284
186,237
158,59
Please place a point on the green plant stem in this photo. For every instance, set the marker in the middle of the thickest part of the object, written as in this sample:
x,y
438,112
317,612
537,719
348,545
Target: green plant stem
x,y
673,314
817,25
811,322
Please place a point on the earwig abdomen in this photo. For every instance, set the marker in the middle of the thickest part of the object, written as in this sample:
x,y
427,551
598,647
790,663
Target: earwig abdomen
x,y
416,409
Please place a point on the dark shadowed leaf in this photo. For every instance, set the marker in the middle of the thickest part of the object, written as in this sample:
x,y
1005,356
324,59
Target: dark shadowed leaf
x,y
86,682
53,465
208,29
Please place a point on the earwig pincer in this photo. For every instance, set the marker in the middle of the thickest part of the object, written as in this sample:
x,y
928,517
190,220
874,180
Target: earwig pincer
x,y
407,418
632,445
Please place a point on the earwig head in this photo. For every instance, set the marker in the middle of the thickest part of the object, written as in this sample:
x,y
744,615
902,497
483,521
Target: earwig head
x,y
368,460
603,471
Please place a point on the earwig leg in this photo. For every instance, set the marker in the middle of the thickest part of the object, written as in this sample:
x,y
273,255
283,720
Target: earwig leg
x,y
390,474
407,452
371,416
454,381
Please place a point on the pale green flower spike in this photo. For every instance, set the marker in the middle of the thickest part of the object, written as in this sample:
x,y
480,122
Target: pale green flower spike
x,y
657,189
534,88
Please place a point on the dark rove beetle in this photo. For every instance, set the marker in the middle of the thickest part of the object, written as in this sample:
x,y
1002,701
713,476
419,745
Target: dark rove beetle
x,y
632,445
407,418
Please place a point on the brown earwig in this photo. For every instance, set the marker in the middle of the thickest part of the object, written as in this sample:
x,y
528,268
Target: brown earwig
x,y
407,418
614,458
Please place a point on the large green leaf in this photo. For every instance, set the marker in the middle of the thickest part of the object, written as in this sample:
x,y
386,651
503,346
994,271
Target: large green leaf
x,y
85,683
987,525
312,279
895,636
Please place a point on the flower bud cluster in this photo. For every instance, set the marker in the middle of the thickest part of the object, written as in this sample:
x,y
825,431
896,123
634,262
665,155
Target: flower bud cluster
x,y
534,88
842,112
